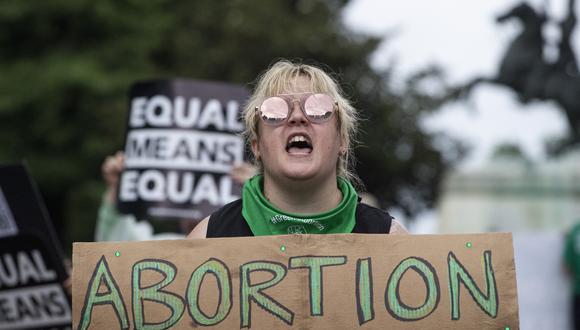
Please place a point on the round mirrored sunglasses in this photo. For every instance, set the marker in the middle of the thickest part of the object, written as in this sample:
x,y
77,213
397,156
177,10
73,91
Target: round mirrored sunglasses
x,y
317,107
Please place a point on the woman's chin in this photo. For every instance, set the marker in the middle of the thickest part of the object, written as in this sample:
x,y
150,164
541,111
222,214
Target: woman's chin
x,y
296,172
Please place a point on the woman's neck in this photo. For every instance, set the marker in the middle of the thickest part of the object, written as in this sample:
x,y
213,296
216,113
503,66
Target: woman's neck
x,y
303,198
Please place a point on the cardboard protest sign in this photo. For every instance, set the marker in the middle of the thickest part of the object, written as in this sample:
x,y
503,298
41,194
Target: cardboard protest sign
x,y
31,260
183,136
305,281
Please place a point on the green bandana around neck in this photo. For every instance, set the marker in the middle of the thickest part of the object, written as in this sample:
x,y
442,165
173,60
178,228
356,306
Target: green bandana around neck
x,y
265,219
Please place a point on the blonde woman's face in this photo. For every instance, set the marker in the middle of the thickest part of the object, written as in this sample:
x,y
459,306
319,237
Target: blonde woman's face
x,y
298,149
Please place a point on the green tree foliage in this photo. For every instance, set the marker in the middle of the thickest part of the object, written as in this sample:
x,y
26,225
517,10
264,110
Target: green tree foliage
x,y
66,67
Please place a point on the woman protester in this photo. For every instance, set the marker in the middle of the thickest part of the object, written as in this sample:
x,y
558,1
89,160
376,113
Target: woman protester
x,y
300,129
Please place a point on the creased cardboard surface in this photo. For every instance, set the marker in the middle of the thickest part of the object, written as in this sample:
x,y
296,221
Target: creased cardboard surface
x,y
298,281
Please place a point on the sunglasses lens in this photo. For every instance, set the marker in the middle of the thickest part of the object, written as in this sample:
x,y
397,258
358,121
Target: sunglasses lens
x,y
274,110
319,107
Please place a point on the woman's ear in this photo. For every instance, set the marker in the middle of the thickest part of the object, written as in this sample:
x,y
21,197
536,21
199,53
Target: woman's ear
x,y
255,149
342,149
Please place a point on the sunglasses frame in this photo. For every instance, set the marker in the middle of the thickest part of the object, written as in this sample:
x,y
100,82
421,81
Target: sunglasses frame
x,y
302,104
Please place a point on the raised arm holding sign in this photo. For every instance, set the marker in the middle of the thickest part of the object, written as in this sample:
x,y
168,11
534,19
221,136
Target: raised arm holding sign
x,y
113,226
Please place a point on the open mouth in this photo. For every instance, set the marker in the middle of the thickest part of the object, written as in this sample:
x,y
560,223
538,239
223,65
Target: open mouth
x,y
299,144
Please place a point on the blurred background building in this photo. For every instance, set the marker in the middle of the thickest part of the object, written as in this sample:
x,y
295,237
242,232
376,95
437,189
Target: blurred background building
x,y
512,193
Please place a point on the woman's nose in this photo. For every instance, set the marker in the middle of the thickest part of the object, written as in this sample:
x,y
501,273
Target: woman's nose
x,y
296,115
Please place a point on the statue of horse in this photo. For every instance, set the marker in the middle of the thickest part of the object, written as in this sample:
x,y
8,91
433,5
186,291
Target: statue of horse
x,y
524,69
562,83
524,57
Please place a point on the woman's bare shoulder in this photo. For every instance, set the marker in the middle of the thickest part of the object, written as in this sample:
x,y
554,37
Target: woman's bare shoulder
x,y
397,228
200,231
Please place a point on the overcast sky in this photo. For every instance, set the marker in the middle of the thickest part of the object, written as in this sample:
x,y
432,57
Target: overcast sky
x,y
462,37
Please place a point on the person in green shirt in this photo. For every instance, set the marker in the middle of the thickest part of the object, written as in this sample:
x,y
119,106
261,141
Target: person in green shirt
x,y
572,263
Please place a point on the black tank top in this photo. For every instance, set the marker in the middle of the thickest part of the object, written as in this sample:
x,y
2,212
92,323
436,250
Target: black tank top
x,y
229,222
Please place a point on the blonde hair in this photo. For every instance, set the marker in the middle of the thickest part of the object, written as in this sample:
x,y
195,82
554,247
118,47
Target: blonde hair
x,y
278,79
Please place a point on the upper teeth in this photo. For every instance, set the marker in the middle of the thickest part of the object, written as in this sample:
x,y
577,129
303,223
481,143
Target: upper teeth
x,y
298,138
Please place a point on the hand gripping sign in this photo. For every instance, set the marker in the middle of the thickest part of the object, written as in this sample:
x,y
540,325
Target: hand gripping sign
x,y
342,281
183,136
